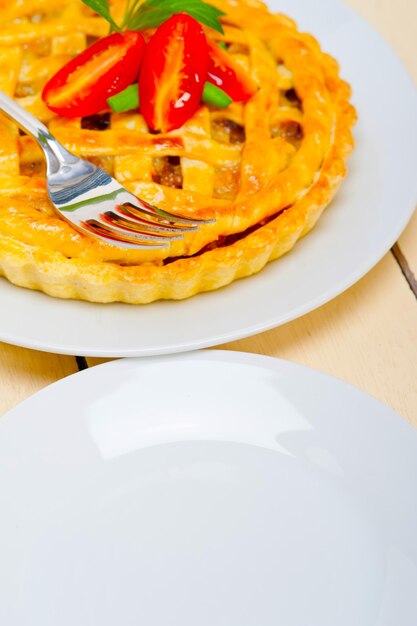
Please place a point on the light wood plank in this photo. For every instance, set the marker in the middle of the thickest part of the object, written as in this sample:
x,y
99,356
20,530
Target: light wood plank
x,y
23,372
408,243
396,20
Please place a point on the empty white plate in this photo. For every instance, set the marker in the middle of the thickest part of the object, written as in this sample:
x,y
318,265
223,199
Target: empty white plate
x,y
209,489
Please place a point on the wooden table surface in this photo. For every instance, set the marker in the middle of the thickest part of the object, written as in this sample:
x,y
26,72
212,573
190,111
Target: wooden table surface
x,y
367,336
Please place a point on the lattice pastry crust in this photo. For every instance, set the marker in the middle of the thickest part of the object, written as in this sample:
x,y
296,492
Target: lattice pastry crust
x,y
265,170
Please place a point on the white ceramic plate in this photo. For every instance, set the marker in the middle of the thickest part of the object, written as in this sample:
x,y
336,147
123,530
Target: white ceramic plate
x,y
372,208
214,488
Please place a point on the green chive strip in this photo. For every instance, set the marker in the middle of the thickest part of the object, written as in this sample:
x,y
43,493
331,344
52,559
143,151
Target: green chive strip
x,y
222,45
215,97
126,100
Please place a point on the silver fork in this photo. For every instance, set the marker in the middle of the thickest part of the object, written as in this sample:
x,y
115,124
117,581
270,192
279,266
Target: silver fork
x,y
94,202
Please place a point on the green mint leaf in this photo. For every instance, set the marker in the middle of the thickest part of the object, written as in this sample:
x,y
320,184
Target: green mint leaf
x,y
152,13
102,8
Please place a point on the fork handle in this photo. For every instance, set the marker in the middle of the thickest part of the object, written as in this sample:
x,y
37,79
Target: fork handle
x,y
55,153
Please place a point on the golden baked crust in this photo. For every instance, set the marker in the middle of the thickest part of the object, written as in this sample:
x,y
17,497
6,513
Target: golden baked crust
x,y
265,170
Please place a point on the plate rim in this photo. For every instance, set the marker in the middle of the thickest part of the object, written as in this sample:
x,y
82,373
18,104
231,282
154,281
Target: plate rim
x,y
250,329
278,365
284,371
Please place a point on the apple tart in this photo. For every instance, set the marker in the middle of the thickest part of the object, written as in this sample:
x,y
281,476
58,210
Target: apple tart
x,y
264,169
